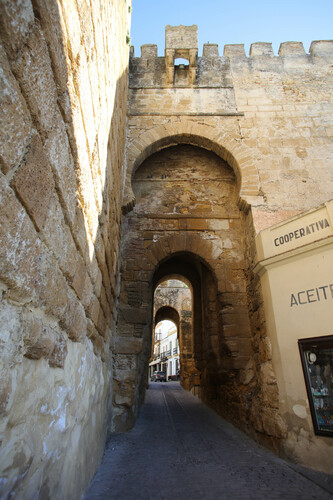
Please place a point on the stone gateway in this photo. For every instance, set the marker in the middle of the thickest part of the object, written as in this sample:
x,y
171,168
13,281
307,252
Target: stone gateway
x,y
119,173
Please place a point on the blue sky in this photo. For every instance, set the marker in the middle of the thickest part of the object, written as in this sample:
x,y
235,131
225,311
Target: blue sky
x,y
241,21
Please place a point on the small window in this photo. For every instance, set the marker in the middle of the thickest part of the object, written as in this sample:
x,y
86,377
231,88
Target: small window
x,y
317,362
181,62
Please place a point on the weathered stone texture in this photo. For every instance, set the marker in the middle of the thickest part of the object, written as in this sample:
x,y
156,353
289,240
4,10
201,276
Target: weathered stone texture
x,y
63,78
186,201
34,184
173,301
267,117
15,122
216,151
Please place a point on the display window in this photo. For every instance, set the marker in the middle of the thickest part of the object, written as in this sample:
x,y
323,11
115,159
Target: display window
x,y
317,360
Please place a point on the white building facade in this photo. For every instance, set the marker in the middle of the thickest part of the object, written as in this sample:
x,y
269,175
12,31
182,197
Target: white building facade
x,y
165,356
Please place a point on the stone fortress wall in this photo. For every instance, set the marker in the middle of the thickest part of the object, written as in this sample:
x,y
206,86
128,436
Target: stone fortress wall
x,y
273,114
270,119
63,103
73,359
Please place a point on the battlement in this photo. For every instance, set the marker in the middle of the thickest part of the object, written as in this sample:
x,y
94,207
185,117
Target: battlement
x,y
182,42
318,48
217,76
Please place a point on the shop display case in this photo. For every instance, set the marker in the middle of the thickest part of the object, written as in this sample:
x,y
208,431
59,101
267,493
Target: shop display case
x,y
317,361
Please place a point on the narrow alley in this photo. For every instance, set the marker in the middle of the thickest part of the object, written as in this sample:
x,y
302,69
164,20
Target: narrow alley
x,y
179,449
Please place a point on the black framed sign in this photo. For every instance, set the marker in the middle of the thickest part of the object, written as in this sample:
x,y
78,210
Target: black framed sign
x,y
317,361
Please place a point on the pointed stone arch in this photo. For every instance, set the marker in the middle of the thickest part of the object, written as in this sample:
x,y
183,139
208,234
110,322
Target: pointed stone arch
x,y
204,136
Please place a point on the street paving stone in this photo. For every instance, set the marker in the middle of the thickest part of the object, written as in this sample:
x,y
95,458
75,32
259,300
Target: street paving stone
x,y
179,450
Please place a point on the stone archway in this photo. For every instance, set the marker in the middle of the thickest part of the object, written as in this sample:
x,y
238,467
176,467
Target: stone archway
x,y
166,313
199,353
165,337
187,221
186,225
188,132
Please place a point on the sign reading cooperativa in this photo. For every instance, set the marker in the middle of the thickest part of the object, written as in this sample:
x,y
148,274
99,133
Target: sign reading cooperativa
x,y
301,232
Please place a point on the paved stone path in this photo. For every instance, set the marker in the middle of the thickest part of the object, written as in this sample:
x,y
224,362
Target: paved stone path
x,y
180,450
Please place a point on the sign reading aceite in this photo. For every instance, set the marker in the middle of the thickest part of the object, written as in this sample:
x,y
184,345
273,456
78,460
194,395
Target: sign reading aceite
x,y
317,294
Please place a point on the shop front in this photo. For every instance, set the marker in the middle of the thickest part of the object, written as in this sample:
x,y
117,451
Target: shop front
x,y
295,265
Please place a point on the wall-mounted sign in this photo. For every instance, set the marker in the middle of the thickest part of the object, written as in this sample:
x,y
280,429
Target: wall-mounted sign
x,y
301,230
311,295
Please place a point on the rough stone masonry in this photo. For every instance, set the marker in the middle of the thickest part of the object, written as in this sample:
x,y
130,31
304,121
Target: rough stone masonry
x,y
95,211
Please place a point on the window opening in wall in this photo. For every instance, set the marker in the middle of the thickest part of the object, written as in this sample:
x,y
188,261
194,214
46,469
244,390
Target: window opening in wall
x,y
317,361
181,62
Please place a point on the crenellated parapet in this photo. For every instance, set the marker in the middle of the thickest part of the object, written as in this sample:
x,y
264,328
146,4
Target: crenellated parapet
x,y
320,49
211,69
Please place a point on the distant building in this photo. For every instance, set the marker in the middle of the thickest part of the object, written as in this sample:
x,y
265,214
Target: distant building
x,y
166,350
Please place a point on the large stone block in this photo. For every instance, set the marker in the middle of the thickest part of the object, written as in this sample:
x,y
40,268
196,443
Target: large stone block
x,y
128,345
34,183
58,355
74,319
59,240
51,287
58,152
94,309
51,22
181,37
15,122
79,278
86,191
133,315
82,84
102,324
33,70
16,21
273,423
19,246
39,340
72,27
97,340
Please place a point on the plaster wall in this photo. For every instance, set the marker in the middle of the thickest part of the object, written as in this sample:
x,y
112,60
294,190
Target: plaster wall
x,y
63,84
286,276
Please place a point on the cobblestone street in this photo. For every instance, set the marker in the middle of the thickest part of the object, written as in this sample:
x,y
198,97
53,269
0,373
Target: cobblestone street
x,y
179,449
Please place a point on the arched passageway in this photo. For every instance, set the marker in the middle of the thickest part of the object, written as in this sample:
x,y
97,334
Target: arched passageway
x,y
187,224
164,360
172,303
199,351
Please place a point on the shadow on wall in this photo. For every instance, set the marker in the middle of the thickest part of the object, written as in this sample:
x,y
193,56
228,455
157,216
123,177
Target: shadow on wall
x,y
61,176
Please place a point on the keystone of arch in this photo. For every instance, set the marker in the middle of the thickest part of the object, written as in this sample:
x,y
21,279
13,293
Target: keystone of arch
x,y
204,136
